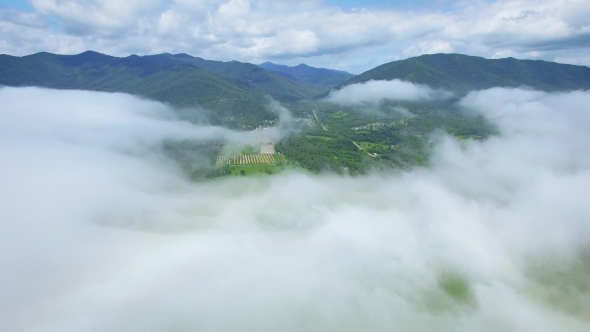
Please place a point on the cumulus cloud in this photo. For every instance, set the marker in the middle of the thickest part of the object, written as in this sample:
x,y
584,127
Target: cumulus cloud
x,y
309,31
99,231
374,92
101,17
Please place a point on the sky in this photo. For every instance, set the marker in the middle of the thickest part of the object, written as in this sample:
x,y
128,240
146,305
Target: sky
x,y
341,34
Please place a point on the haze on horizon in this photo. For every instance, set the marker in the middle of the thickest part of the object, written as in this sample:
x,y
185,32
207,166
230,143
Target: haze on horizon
x,y
348,35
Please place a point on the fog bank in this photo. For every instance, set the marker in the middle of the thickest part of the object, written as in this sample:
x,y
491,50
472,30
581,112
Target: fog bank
x,y
99,231
375,92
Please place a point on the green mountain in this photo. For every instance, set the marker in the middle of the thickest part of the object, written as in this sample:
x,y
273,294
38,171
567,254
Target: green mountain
x,y
462,73
271,83
235,92
178,84
333,137
307,74
352,139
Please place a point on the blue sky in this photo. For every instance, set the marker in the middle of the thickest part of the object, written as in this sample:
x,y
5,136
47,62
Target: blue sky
x,y
344,4
314,32
340,3
348,4
18,4
351,4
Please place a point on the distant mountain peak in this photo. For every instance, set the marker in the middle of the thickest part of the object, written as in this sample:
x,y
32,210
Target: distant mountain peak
x,y
90,52
308,74
183,56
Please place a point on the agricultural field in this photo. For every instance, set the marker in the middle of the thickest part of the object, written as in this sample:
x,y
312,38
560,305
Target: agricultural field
x,y
280,164
222,161
255,159
377,148
252,159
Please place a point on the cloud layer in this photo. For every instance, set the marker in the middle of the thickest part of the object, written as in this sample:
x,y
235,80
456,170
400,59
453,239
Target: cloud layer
x,y
310,31
374,92
99,231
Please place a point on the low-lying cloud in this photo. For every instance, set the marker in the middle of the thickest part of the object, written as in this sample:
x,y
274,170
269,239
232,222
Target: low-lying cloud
x,y
375,92
99,231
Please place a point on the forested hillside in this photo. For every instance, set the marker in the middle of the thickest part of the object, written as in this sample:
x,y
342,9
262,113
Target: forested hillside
x,y
235,92
311,75
181,85
338,138
462,73
271,83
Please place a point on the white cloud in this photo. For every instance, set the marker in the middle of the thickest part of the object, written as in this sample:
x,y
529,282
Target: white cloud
x,y
100,17
429,47
374,92
307,31
99,231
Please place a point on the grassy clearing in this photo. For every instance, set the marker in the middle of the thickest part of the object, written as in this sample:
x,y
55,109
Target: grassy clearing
x,y
339,115
368,145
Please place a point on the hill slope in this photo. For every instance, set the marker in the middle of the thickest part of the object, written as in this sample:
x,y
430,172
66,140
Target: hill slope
x,y
304,73
271,83
235,91
461,73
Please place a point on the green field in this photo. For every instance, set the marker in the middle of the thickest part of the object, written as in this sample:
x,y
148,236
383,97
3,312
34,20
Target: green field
x,y
339,115
262,169
377,148
368,145
254,170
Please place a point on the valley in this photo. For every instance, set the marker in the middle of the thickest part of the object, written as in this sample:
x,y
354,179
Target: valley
x,y
315,165
324,134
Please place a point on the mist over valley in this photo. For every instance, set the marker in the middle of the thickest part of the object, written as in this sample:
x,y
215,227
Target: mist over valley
x,y
492,234
246,165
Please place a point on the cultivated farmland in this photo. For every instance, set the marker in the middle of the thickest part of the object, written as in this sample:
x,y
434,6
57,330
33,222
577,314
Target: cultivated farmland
x,y
255,159
252,154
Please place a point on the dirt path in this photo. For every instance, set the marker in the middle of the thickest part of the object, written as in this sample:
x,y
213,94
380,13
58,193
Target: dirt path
x,y
318,120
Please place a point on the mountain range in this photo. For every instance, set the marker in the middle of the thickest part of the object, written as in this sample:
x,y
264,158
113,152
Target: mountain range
x,y
461,73
237,93
234,91
310,75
